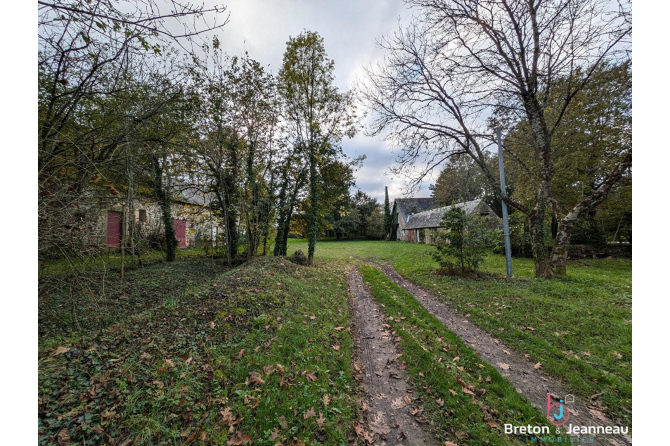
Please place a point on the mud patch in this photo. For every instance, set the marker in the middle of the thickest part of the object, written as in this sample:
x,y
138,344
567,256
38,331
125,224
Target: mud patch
x,y
390,401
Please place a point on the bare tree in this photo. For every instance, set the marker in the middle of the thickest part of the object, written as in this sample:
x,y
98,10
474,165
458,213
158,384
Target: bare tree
x,y
444,75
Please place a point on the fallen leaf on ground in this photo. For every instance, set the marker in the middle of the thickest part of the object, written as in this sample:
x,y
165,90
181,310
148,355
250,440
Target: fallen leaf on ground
x,y
238,439
60,351
251,402
503,366
452,391
320,420
339,328
461,435
398,403
336,347
537,366
378,424
255,378
326,400
440,402
282,422
62,437
309,414
239,355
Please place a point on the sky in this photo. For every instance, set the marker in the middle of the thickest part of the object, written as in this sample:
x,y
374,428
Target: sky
x,y
350,29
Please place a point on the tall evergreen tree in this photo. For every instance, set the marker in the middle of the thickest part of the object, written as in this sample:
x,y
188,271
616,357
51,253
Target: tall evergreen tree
x,y
387,213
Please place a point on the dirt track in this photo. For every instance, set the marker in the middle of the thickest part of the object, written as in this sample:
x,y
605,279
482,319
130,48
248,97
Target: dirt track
x,y
390,401
523,374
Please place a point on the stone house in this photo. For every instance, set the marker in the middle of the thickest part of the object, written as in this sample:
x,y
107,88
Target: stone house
x,y
403,209
192,221
422,226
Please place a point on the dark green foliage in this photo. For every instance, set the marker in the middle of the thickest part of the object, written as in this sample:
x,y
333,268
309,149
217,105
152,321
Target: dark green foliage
x,y
388,221
520,235
587,232
461,180
465,241
298,257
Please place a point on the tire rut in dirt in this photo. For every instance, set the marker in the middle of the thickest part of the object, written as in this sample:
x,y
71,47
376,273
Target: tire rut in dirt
x,y
389,397
527,379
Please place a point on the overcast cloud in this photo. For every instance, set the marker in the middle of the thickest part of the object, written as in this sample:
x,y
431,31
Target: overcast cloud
x,y
350,29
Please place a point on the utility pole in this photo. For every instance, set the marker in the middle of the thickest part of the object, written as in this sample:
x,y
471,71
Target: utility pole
x,y
503,187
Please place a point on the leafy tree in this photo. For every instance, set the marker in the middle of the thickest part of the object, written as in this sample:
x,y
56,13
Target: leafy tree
x,y
465,240
366,207
317,115
461,180
594,138
460,60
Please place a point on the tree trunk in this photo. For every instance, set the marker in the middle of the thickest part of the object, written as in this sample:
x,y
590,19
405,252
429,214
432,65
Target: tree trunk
x,y
163,199
313,206
281,219
537,240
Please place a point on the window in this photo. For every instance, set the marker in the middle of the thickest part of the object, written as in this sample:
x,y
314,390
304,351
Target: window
x,y
143,215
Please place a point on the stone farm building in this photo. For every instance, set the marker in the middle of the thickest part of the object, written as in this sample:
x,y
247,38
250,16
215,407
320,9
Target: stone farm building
x,y
191,220
403,209
100,222
417,219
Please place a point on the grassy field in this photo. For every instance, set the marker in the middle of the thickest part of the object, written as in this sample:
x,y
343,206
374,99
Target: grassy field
x,y
185,353
257,354
579,327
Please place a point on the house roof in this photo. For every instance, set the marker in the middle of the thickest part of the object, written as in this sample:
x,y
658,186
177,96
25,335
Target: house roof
x,y
408,206
433,218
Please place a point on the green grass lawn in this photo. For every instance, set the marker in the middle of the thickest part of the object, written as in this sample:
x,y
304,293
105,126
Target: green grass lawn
x,y
579,327
182,352
256,353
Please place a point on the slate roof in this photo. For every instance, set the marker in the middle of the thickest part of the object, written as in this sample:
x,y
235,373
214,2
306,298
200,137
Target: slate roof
x,y
433,218
407,206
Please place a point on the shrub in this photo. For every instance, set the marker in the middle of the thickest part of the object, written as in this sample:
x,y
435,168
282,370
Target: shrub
x,y
298,257
464,241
